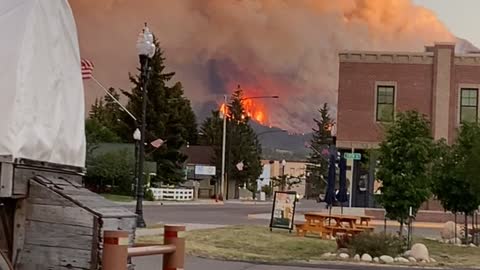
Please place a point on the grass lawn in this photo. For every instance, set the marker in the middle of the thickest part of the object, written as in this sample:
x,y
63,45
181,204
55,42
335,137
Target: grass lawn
x,y
252,243
117,198
450,255
255,243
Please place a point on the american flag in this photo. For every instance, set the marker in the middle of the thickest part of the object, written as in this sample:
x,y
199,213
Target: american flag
x,y
157,143
87,69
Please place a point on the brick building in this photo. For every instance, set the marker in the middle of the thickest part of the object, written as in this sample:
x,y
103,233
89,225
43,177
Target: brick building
x,y
373,86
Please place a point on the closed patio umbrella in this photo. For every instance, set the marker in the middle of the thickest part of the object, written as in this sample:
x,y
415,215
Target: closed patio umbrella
x,y
342,192
330,193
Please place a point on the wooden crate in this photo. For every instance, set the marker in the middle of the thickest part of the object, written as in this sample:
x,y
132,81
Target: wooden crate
x,y
60,224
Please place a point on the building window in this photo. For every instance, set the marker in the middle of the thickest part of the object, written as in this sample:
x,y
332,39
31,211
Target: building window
x,y
385,103
468,105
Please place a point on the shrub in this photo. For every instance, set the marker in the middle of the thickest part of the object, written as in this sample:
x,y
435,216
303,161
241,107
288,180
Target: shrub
x,y
268,190
149,195
377,244
111,172
343,241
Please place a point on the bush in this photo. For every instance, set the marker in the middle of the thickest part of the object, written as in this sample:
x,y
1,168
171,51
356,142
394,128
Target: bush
x,y
149,195
111,172
343,241
377,244
268,190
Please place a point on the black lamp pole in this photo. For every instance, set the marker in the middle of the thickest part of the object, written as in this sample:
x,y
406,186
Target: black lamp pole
x,y
135,169
141,163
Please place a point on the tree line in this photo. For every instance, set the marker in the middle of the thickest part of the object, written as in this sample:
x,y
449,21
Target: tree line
x,y
170,117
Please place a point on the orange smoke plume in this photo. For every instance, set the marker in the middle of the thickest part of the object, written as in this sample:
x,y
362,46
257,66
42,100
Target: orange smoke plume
x,y
228,41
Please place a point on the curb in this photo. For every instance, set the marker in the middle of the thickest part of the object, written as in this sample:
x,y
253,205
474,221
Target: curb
x,y
249,202
340,265
166,203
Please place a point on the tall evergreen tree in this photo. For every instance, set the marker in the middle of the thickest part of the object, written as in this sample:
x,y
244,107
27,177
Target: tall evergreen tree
x,y
243,146
321,139
169,117
107,113
211,134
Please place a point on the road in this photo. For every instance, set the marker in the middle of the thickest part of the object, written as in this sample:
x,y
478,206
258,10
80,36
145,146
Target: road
x,y
228,214
236,214
150,263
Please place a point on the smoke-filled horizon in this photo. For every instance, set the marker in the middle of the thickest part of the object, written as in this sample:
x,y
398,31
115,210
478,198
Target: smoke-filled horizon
x,y
270,47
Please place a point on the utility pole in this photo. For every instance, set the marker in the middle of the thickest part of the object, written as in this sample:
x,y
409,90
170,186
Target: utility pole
x,y
224,142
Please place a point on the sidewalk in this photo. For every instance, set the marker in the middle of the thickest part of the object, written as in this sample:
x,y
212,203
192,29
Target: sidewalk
x,y
189,227
248,202
196,202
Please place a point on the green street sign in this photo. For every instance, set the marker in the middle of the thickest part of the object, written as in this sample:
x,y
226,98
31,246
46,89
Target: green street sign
x,y
354,156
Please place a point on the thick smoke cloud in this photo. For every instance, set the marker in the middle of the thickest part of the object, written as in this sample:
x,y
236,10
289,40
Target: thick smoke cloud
x,y
284,47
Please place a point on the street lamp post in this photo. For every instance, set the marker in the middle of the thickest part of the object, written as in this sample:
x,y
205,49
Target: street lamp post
x,y
146,50
224,141
284,163
136,137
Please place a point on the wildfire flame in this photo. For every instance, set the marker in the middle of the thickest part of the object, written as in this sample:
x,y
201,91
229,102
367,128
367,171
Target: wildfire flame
x,y
252,109
223,109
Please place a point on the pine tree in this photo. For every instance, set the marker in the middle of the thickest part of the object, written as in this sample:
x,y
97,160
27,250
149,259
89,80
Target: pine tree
x,y
242,143
103,123
169,117
211,134
321,139
107,113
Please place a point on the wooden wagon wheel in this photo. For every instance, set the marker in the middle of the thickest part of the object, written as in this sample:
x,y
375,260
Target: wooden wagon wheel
x,y
4,262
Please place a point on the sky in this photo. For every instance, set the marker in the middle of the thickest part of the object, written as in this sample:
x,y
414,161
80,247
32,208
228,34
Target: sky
x,y
460,16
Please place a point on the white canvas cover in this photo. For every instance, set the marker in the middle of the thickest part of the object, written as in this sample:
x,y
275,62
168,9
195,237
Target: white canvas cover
x,y
42,100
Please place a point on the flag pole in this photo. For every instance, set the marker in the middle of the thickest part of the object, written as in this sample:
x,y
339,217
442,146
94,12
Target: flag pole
x,y
116,100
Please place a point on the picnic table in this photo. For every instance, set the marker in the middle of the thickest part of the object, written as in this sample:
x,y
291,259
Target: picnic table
x,y
328,225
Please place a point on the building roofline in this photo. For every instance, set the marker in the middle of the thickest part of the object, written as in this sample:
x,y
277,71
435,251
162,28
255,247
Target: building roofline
x,y
444,43
345,52
468,55
386,57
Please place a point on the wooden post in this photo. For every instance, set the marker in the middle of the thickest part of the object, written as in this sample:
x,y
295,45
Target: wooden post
x,y
115,250
19,229
175,260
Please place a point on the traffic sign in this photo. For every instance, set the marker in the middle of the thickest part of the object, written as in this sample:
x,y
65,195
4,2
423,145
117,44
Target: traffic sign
x,y
354,156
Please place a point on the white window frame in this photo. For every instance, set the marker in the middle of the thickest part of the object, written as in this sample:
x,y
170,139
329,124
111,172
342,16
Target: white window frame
x,y
395,91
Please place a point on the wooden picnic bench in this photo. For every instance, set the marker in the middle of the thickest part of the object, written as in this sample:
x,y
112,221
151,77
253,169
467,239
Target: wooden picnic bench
x,y
328,225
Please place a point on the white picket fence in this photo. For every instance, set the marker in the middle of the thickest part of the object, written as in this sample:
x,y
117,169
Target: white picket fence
x,y
171,194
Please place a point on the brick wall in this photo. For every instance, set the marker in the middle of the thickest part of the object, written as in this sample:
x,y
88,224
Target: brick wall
x,y
356,96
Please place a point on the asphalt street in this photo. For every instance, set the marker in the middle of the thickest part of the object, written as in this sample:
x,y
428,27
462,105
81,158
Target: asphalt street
x,y
192,263
235,214
227,214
